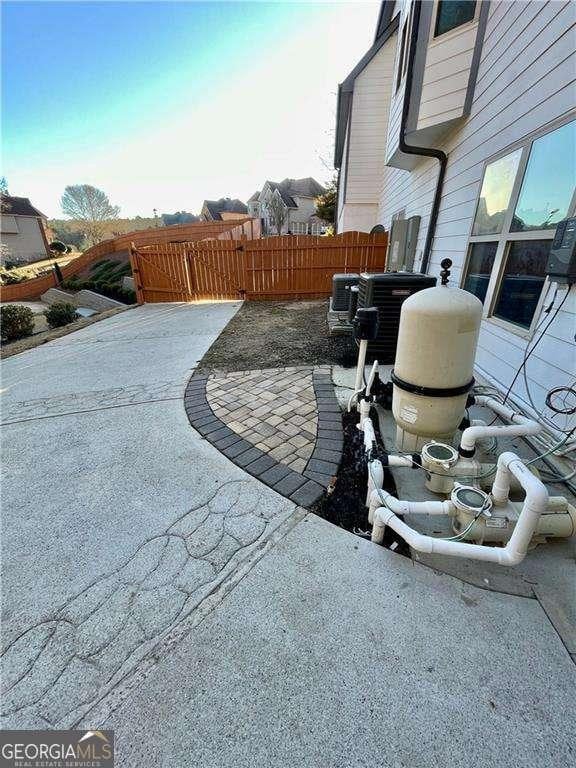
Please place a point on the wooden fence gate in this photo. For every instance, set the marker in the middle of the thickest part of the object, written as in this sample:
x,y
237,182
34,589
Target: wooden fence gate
x,y
288,267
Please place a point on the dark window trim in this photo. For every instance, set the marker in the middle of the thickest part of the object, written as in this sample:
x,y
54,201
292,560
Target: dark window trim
x,y
447,31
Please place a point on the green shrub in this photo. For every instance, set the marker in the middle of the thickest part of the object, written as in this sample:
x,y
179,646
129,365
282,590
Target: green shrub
x,y
17,322
129,296
60,313
71,284
57,246
98,264
104,287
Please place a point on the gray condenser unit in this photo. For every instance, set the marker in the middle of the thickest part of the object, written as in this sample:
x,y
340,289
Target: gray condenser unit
x,y
341,291
387,291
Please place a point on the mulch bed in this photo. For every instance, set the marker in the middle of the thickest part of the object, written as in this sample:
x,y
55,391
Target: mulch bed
x,y
345,506
274,334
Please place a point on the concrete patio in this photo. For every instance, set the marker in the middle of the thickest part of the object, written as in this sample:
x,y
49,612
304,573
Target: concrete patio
x,y
153,587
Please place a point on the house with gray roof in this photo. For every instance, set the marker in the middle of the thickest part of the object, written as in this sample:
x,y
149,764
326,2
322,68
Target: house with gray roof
x,y
254,205
23,231
223,210
297,197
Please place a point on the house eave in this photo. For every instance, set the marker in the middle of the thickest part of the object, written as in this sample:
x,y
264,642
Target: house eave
x,y
346,87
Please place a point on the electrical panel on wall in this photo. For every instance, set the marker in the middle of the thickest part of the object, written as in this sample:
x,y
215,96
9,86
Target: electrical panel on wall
x,y
561,267
402,246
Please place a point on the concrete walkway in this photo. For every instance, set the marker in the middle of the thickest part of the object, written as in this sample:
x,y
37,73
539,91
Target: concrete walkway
x,y
152,587
119,520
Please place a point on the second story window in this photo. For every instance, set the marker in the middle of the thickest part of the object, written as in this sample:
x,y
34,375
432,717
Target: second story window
x,y
453,13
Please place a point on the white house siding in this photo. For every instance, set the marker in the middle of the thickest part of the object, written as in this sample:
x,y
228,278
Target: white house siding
x,y
28,244
359,217
526,81
342,187
364,159
446,74
306,208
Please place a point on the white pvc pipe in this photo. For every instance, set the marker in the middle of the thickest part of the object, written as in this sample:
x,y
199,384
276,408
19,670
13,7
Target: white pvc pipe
x,y
371,378
519,427
400,461
513,553
375,480
358,386
399,507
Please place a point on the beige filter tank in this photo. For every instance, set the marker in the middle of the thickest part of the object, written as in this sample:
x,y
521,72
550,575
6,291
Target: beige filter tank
x,y
434,366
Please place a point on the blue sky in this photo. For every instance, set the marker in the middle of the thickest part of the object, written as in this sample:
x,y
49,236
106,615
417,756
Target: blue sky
x,y
162,104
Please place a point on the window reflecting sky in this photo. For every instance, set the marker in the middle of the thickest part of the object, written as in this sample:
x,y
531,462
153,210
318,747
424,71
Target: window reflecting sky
x,y
549,181
495,194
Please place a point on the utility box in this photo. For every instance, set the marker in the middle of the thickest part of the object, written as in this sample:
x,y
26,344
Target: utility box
x,y
561,267
387,291
402,246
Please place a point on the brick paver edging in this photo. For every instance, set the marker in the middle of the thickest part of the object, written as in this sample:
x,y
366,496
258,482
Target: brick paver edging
x,y
303,489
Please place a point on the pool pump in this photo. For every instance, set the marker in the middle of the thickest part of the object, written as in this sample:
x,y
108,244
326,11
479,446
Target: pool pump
x,y
432,383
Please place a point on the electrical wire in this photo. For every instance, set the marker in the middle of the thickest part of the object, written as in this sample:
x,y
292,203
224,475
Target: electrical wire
x,y
458,536
528,351
564,409
463,533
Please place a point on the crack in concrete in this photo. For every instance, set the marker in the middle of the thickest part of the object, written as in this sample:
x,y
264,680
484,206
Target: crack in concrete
x,y
98,636
72,403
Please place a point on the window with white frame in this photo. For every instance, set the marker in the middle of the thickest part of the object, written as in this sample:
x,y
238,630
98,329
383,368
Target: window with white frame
x,y
524,194
299,228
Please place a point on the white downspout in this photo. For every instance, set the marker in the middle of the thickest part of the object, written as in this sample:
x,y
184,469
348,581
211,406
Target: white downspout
x,y
519,427
513,553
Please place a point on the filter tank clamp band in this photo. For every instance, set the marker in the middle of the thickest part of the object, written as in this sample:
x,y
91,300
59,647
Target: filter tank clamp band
x,y
416,389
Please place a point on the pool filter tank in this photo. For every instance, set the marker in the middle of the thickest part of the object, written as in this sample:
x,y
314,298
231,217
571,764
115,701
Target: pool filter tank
x,y
433,370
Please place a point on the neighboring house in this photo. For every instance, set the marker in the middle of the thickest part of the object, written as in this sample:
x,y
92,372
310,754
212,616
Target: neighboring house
x,y
298,198
22,231
486,91
254,205
223,210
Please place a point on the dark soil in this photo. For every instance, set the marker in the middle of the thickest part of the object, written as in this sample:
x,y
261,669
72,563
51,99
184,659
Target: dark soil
x,y
273,334
345,506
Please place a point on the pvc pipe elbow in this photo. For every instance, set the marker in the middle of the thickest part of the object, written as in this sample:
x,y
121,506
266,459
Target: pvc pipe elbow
x,y
510,558
536,492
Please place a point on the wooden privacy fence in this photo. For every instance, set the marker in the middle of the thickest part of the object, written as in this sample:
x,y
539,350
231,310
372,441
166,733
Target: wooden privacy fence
x,y
198,230
288,267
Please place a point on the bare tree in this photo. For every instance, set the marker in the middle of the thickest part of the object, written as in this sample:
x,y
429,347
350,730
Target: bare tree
x,y
277,212
91,207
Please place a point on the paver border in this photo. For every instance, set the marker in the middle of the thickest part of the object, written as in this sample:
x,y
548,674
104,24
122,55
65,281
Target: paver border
x,y
303,488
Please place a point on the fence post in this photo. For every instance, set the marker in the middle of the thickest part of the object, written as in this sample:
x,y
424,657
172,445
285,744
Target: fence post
x,y
136,274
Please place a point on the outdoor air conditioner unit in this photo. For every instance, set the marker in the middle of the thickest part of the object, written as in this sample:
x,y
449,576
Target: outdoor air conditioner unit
x,y
387,291
402,246
341,291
